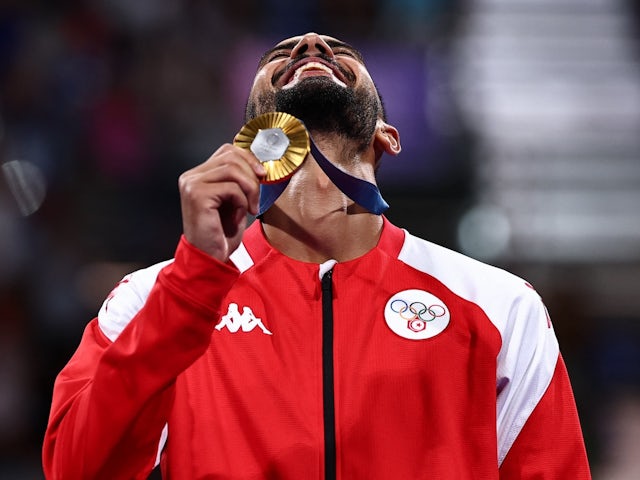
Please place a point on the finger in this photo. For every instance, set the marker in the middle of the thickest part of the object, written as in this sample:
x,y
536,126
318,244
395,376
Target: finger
x,y
234,173
211,215
227,152
225,168
202,198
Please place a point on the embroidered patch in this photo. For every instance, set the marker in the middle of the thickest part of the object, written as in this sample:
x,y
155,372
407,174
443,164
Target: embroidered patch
x,y
416,314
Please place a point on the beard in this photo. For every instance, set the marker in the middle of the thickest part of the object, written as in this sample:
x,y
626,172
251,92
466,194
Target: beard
x,y
325,107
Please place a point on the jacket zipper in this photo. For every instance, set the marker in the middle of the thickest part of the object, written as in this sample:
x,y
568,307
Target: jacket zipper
x,y
327,378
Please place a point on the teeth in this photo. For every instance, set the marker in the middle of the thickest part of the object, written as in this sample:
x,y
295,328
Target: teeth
x,y
312,66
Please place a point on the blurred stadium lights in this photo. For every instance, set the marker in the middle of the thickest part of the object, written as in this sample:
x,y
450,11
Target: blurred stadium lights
x,y
26,183
553,91
484,232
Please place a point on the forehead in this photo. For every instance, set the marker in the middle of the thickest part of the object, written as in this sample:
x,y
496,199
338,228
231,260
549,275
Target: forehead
x,y
290,43
297,38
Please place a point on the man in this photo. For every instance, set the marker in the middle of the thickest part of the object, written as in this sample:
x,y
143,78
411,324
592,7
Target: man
x,y
361,352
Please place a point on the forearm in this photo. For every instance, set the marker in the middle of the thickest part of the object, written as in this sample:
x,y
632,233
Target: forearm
x,y
113,398
85,440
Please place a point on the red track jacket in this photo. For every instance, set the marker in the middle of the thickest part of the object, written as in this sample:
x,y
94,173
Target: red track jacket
x,y
410,362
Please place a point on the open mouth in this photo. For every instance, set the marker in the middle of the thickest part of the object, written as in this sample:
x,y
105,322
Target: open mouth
x,y
312,67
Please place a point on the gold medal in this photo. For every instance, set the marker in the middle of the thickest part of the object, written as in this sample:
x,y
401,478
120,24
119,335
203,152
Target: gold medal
x,y
279,140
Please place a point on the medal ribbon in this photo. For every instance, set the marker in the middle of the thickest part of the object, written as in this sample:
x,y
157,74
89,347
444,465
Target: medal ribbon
x,y
364,193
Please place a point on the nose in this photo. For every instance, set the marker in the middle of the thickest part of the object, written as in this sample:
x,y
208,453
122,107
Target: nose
x,y
311,44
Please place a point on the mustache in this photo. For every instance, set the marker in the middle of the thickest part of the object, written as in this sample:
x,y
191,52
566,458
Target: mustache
x,y
326,58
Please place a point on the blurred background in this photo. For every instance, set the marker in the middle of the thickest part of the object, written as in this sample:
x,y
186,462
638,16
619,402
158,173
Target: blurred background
x,y
520,122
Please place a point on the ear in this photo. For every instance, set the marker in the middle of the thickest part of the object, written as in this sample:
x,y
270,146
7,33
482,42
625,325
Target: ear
x,y
386,139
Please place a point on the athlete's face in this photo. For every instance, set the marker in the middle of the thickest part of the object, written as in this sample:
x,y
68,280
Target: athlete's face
x,y
320,80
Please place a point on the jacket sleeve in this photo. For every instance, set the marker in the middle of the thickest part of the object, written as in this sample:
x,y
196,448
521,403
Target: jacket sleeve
x,y
539,432
550,444
112,400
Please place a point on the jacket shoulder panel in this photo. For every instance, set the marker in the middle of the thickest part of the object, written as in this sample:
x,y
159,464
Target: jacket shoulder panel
x,y
529,348
126,299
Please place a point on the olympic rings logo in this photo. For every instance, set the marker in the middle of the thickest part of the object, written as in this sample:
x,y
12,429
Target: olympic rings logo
x,y
417,314
417,310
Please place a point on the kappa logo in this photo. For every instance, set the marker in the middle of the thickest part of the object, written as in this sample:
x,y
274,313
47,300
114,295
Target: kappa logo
x,y
247,321
416,314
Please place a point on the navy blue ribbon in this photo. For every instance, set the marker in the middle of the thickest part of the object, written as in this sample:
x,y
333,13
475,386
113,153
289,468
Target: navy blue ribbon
x,y
364,193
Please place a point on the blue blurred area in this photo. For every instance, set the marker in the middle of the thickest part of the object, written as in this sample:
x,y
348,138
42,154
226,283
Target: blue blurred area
x,y
105,103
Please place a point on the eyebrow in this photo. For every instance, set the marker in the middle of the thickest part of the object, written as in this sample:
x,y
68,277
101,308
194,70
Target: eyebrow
x,y
289,45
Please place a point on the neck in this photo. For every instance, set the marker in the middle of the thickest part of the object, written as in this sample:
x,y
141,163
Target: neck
x,y
313,221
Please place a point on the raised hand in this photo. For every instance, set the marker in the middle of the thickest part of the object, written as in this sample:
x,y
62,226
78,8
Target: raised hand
x,y
216,197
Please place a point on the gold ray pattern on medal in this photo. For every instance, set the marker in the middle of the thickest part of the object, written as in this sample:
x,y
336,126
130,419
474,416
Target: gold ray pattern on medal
x,y
298,143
